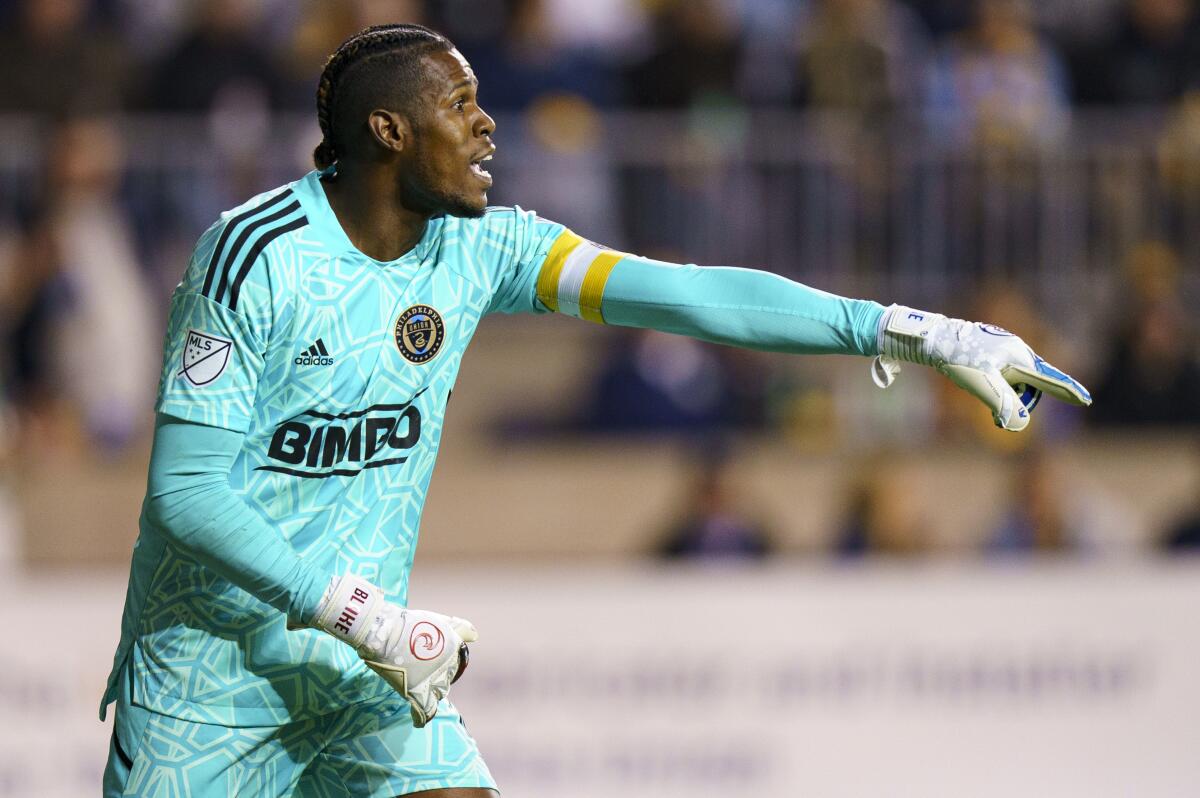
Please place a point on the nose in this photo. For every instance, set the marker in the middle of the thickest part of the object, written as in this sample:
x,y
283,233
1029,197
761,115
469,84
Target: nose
x,y
484,124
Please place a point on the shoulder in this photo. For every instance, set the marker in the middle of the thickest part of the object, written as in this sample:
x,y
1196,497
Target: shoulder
x,y
227,252
498,223
504,235
470,230
502,239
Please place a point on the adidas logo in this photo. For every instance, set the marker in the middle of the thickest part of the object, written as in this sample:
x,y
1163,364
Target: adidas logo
x,y
315,355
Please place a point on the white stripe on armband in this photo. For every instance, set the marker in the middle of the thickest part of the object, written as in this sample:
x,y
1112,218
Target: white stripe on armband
x,y
575,269
573,277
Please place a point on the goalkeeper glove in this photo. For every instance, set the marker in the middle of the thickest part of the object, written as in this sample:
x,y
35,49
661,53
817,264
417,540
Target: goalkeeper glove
x,y
418,653
992,364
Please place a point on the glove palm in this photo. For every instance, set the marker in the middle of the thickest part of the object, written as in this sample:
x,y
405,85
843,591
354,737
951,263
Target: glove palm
x,y
987,361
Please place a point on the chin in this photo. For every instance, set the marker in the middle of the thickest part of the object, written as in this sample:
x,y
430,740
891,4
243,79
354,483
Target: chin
x,y
465,208
467,200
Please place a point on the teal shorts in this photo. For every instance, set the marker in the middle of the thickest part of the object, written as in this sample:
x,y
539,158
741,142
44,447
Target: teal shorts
x,y
369,749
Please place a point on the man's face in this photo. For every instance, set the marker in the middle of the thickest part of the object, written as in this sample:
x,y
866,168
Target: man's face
x,y
452,136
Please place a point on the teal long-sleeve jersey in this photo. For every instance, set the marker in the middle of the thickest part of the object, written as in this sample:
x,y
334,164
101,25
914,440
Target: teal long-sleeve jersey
x,y
316,378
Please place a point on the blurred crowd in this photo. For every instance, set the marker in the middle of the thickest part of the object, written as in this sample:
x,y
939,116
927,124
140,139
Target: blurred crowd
x,y
89,247
884,511
1006,61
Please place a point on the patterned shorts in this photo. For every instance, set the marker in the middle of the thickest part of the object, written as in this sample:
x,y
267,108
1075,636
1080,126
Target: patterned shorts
x,y
369,749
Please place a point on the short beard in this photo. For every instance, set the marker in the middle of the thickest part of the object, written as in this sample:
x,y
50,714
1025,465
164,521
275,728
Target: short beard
x,y
455,206
421,196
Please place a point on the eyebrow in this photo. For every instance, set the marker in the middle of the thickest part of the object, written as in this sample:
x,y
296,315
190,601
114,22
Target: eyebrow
x,y
463,84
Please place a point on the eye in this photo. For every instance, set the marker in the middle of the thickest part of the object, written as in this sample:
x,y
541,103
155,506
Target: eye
x,y
460,104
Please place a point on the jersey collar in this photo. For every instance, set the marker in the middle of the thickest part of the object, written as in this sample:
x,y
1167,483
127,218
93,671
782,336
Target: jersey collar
x,y
322,218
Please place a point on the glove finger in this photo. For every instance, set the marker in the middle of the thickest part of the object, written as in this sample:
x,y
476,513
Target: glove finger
x,y
989,387
464,659
423,701
419,714
465,629
1045,377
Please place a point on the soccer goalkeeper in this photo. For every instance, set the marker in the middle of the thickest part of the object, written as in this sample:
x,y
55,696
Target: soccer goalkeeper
x,y
266,646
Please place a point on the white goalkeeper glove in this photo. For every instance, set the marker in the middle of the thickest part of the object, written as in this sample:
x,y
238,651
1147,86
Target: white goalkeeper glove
x,y
990,363
418,653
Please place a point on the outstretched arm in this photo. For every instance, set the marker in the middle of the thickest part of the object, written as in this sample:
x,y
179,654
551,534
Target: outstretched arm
x,y
741,307
759,310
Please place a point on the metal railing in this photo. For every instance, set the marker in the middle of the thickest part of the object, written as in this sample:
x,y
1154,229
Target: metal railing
x,y
890,209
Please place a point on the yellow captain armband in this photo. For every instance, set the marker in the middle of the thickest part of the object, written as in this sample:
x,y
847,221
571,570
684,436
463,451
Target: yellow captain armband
x,y
573,276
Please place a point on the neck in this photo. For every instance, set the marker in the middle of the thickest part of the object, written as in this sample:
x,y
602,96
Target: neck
x,y
367,206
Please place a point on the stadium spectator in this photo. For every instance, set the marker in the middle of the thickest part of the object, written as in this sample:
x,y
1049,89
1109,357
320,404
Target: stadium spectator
x,y
884,512
35,297
656,383
713,523
1152,376
221,75
565,135
608,28
55,60
943,17
694,60
1183,535
320,27
864,57
10,527
105,348
1151,58
998,85
1179,162
1046,512
518,45
857,62
1035,518
220,63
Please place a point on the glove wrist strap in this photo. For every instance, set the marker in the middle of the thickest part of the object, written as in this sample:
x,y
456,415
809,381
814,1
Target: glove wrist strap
x,y
904,334
349,608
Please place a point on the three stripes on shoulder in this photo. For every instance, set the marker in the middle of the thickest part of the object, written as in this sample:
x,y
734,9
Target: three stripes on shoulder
x,y
243,239
571,281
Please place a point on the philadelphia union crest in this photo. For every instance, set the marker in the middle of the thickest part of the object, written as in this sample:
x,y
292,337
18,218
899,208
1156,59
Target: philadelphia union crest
x,y
419,333
204,357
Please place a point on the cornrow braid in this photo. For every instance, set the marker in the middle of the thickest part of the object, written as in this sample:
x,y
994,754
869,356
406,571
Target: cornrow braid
x,y
405,43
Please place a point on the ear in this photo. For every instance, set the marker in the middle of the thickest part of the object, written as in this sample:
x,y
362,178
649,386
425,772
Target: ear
x,y
390,130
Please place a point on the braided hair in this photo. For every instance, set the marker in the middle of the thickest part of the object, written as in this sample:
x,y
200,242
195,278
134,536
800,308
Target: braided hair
x,y
385,62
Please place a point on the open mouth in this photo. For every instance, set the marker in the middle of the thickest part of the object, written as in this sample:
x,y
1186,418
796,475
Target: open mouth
x,y
478,170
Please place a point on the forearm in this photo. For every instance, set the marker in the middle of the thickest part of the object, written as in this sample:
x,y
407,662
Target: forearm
x,y
190,502
741,307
